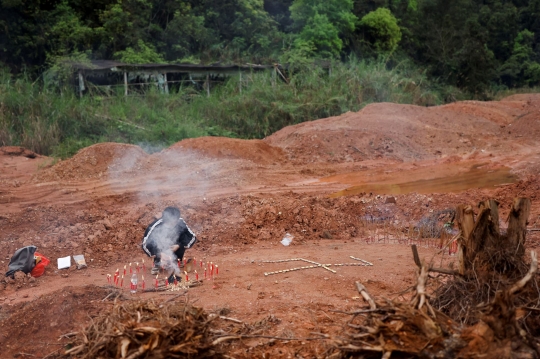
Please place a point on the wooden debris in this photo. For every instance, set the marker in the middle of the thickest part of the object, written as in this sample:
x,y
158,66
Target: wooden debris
x,y
364,293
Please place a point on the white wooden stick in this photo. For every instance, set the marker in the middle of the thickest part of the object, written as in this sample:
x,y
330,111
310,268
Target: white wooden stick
x,y
361,260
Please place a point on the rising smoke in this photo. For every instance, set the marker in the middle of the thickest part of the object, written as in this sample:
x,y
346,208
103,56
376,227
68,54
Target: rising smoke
x,y
174,176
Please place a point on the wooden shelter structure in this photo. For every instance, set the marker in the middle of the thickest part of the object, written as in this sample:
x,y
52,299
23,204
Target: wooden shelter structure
x,y
107,73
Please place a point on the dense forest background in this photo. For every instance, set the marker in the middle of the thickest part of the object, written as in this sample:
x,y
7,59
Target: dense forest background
x,y
422,52
471,44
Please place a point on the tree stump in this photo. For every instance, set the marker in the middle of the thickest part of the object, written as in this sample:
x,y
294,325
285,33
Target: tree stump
x,y
481,241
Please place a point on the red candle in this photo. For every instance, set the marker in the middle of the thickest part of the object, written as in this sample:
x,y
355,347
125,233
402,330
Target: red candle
x,y
143,267
201,264
122,282
124,270
175,281
217,270
137,268
187,278
130,269
204,273
194,262
211,269
196,276
108,278
143,285
166,283
116,274
179,265
157,283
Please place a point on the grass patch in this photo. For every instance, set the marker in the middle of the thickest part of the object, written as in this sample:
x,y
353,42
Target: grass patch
x,y
57,122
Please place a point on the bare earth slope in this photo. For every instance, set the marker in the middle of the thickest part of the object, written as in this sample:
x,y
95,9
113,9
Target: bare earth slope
x,y
316,180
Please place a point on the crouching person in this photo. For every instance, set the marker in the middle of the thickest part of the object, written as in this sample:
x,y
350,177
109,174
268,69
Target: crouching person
x,y
166,239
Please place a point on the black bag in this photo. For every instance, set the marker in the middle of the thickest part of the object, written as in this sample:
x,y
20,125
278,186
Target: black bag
x,y
23,260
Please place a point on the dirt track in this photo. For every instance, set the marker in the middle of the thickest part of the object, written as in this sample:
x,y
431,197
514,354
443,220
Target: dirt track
x,y
315,180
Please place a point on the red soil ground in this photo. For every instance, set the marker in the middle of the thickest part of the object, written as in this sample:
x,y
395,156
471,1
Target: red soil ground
x,y
315,180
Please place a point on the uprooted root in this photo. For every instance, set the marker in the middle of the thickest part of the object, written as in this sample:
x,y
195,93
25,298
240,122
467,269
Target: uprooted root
x,y
417,330
401,331
464,298
147,330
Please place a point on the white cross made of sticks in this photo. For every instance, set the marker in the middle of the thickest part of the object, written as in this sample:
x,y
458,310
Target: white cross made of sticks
x,y
362,263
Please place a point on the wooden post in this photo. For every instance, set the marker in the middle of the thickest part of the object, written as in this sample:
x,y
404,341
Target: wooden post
x,y
125,84
166,86
81,84
208,85
517,224
465,220
240,82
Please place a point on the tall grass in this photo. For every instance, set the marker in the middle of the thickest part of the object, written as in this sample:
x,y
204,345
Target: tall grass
x,y
54,122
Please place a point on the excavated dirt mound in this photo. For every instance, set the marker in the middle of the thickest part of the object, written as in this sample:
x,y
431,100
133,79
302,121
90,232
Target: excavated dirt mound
x,y
409,133
34,328
221,147
92,162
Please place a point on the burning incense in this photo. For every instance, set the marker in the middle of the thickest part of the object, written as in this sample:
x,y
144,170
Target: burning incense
x,y
130,269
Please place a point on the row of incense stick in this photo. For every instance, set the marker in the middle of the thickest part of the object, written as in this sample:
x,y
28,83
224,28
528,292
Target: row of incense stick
x,y
118,280
211,271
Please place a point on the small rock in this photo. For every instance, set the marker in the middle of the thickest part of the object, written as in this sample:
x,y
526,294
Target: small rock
x,y
390,200
32,279
326,234
25,296
107,223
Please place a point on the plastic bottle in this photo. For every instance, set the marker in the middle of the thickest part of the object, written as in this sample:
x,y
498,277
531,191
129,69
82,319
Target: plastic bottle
x,y
134,281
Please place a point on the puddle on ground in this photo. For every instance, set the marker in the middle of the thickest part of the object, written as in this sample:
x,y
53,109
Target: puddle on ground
x,y
476,177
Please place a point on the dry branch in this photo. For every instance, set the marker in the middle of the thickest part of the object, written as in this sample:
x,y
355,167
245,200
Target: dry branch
x,y
364,293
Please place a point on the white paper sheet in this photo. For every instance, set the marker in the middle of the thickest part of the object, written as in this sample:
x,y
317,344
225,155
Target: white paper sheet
x,y
64,262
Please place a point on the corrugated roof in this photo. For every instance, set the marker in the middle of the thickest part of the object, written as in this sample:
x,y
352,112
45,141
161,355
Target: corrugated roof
x,y
101,65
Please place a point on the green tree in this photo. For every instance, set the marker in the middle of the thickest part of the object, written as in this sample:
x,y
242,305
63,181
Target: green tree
x,y
141,54
323,25
521,69
382,30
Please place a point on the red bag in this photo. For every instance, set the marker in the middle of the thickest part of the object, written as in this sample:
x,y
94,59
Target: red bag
x,y
39,268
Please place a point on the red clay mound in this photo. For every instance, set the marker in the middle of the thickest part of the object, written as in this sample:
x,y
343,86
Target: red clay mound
x,y
17,151
406,133
93,162
256,151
